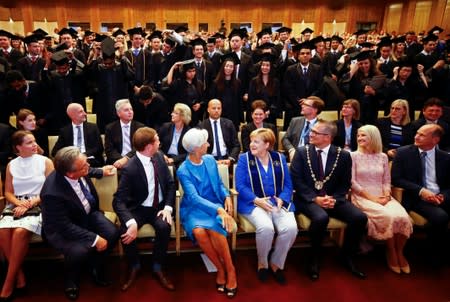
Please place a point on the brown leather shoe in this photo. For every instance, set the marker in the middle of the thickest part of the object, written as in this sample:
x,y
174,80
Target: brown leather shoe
x,y
165,282
131,278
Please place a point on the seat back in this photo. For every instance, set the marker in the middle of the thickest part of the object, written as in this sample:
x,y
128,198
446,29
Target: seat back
x,y
51,143
106,187
329,115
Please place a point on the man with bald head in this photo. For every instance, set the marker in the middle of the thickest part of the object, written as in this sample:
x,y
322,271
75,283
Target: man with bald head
x,y
421,170
81,134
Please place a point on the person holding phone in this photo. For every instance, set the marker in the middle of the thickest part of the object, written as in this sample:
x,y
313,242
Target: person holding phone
x,y
265,191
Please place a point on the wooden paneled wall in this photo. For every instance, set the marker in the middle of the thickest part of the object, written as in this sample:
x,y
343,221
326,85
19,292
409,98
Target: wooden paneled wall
x,y
417,15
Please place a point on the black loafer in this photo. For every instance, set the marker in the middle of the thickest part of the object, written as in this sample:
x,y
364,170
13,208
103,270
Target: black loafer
x,y
279,276
263,274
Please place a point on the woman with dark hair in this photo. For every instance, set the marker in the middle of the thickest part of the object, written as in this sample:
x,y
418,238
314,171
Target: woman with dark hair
x,y
367,84
348,125
26,120
25,176
186,89
227,88
265,87
258,115
171,135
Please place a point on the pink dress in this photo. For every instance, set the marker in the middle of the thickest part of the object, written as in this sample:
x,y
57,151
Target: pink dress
x,y
370,172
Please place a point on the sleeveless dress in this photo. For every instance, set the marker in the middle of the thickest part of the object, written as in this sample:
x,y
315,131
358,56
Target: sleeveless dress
x,y
370,172
28,176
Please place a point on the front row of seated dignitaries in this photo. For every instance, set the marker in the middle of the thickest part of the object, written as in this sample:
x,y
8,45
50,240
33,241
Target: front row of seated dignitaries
x,y
72,221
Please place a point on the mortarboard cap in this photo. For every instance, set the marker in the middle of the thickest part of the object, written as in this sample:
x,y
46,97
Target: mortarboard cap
x,y
198,41
265,31
284,29
68,31
336,38
317,40
327,39
219,35
236,32
40,32
304,45
293,41
386,41
267,45
244,32
435,29
406,63
399,39
181,29
170,41
16,37
88,32
60,58
430,37
231,56
188,64
363,55
4,33
61,46
48,38
266,57
100,37
118,32
212,40
135,31
34,38
360,32
108,50
307,31
155,34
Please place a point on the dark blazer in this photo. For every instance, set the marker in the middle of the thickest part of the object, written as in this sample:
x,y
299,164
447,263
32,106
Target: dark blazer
x,y
339,139
215,60
444,144
245,72
248,128
229,136
92,141
407,174
337,186
384,125
143,67
64,218
132,193
31,71
292,136
5,145
165,134
113,140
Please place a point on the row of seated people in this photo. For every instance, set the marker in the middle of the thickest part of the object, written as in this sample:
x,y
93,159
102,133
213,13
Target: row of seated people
x,y
320,174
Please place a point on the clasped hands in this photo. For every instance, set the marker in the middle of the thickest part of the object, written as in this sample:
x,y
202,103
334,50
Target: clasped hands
x,y
266,205
326,202
430,197
24,205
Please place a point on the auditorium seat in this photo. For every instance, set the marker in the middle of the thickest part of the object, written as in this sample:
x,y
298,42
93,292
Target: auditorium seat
x,y
329,115
13,121
51,143
92,118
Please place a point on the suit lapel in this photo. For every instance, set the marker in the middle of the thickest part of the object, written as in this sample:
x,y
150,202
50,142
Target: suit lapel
x,y
331,158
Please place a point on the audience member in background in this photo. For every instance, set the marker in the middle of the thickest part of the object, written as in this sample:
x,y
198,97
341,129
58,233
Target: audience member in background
x,y
26,120
265,193
119,134
348,125
25,176
395,130
259,114
206,210
171,135
371,193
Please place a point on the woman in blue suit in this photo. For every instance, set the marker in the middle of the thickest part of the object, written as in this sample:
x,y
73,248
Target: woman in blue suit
x,y
206,208
265,191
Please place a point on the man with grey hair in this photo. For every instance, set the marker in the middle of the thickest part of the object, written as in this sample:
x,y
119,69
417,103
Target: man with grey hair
x,y
72,221
118,135
81,134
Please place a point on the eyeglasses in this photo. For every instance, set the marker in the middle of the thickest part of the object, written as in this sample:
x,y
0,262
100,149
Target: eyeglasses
x,y
314,132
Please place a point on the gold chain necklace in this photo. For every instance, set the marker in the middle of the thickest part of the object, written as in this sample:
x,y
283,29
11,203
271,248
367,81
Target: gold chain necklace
x,y
318,184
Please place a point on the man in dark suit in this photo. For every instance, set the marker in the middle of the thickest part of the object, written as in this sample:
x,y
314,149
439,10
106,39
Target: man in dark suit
x,y
149,200
72,221
82,135
432,114
300,81
10,54
299,128
204,69
321,174
32,64
422,171
244,70
213,55
222,133
118,135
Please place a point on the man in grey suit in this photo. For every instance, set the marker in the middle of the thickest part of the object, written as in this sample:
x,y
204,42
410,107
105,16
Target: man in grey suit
x,y
297,133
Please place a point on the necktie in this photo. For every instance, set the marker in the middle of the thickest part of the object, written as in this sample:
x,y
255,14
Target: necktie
x,y
320,174
198,64
423,159
155,178
305,70
306,134
89,197
79,139
216,141
126,146
33,59
135,52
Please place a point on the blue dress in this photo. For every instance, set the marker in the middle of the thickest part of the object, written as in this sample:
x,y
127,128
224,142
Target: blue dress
x,y
204,193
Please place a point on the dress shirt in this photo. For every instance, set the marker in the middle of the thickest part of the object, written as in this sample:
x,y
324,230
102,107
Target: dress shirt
x,y
126,143
324,156
223,146
431,181
75,136
302,135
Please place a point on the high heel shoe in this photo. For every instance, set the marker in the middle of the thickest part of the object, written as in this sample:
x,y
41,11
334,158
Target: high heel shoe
x,y
220,287
231,292
395,269
7,299
405,269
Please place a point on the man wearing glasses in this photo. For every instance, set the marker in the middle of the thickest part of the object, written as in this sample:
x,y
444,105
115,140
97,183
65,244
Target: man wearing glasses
x,y
321,175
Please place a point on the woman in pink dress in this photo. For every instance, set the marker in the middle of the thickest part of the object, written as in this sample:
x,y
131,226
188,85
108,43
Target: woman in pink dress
x,y
371,192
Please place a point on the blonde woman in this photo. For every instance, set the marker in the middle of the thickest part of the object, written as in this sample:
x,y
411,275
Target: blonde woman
x,y
371,193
